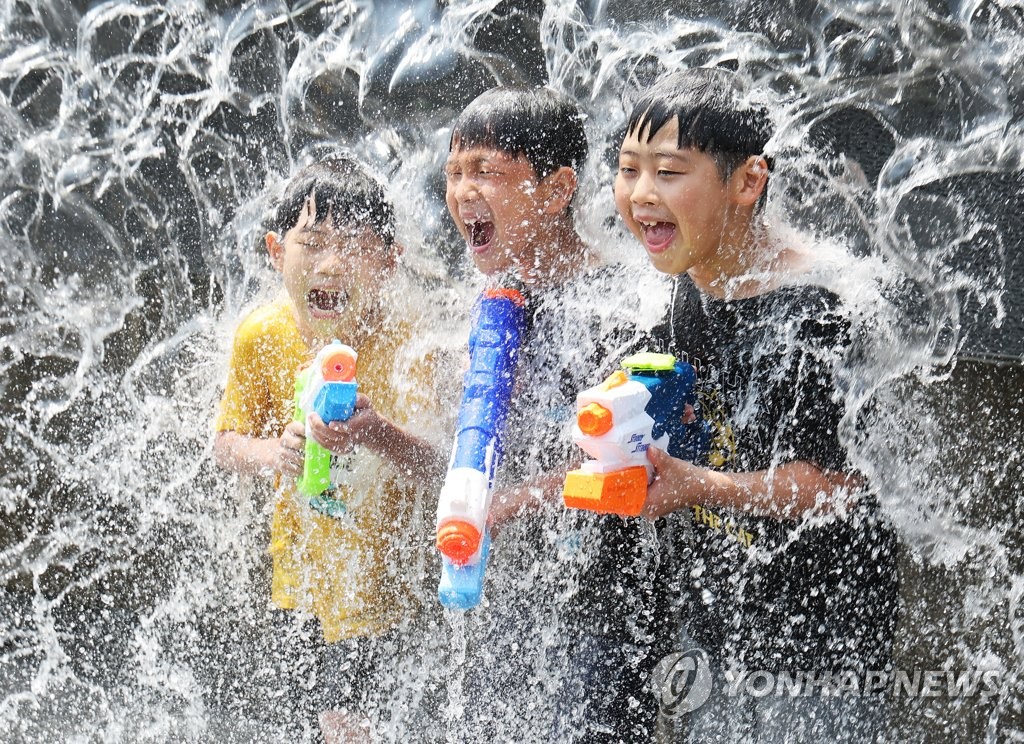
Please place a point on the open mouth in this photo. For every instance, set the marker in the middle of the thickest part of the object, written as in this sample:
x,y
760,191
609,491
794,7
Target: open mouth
x,y
326,302
658,236
480,235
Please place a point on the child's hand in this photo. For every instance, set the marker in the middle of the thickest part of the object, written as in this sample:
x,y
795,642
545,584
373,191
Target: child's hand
x,y
506,505
364,427
291,450
677,484
410,454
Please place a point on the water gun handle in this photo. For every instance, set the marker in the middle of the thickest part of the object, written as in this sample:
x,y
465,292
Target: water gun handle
x,y
316,460
687,440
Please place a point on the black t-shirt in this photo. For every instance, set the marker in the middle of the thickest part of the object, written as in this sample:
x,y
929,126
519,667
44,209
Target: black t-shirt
x,y
767,593
567,592
596,570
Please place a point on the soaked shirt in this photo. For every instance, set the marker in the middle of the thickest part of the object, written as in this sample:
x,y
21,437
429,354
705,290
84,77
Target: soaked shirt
x,y
351,571
596,569
768,593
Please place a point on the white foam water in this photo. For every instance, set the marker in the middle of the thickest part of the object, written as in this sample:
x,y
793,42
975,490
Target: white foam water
x,y
142,144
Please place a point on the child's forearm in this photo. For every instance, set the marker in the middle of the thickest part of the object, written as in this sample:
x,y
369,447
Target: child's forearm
x,y
528,496
411,455
788,491
245,455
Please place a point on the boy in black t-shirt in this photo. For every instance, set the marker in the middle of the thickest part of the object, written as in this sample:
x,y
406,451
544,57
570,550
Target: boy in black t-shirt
x,y
556,649
776,558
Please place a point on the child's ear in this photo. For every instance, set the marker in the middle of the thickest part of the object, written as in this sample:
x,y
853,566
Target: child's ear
x,y
559,188
750,180
275,247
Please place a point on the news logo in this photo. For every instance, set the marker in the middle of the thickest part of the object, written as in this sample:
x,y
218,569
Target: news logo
x,y
683,681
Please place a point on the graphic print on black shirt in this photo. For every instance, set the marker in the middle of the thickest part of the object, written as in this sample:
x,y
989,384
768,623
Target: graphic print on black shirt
x,y
775,593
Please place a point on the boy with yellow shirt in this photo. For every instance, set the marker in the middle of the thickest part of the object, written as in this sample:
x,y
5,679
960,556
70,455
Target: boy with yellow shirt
x,y
334,246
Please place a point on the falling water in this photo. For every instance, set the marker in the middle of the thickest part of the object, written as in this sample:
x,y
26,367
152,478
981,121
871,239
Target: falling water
x,y
141,145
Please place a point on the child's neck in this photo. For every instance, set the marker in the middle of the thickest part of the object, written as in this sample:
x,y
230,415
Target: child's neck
x,y
749,262
559,255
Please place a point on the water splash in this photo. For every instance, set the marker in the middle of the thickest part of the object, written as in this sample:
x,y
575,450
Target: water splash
x,y
141,144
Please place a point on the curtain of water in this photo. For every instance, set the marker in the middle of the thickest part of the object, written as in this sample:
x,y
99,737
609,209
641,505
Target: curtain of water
x,y
142,142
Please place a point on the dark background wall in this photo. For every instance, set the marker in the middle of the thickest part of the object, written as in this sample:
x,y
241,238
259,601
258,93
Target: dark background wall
x,y
141,143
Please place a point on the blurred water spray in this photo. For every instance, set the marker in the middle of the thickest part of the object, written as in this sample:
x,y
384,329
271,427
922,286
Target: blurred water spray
x,y
140,144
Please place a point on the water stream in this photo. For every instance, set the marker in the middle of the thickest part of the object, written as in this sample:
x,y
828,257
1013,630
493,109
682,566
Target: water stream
x,y
140,145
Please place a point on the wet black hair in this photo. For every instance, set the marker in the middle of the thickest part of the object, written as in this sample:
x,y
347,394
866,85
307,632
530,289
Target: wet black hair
x,y
345,191
713,114
543,126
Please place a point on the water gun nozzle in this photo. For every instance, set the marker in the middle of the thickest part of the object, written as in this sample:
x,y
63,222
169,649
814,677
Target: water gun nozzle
x,y
594,420
458,541
339,366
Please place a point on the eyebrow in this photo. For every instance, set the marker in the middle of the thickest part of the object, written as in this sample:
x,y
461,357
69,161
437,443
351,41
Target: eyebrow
x,y
470,162
680,155
493,157
666,154
318,228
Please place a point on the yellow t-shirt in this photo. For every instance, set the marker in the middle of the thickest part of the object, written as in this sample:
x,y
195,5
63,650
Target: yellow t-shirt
x,y
349,571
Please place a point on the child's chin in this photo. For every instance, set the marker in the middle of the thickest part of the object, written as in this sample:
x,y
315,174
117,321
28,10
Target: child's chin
x,y
664,261
479,250
326,323
490,265
657,249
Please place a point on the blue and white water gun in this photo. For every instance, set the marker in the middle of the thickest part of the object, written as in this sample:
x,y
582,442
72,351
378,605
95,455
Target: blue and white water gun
x,y
651,400
465,501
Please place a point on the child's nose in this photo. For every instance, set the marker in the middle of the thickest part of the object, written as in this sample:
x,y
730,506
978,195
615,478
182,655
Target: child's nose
x,y
330,263
465,189
644,191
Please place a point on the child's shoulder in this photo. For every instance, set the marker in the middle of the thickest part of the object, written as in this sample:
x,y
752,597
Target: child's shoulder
x,y
273,318
268,331
808,270
808,315
803,298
